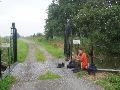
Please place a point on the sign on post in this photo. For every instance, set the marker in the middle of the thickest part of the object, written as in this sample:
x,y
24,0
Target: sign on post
x,y
76,41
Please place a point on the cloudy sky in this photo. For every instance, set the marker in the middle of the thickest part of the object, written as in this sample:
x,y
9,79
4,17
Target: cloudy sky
x,y
29,16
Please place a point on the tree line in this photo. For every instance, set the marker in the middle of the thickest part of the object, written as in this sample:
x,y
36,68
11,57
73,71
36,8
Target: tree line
x,y
96,20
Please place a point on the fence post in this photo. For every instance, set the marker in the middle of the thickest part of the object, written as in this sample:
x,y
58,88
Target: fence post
x,y
0,65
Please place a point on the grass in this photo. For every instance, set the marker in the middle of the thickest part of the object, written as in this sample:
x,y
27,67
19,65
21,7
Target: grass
x,y
111,82
39,56
6,83
48,76
81,74
108,81
106,85
22,51
54,51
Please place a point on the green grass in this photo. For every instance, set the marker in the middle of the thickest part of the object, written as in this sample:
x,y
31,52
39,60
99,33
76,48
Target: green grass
x,y
6,83
39,56
54,51
22,51
81,74
106,85
48,76
108,81
111,82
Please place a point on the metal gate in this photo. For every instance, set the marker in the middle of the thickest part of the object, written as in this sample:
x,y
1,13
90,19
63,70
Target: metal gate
x,y
8,51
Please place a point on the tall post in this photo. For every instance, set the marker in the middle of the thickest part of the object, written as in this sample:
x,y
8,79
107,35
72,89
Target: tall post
x,y
0,65
71,41
68,40
11,47
14,37
92,68
15,45
91,52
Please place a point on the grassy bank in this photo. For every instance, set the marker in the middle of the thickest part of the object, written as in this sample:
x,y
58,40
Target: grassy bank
x,y
22,50
55,51
108,81
49,76
39,56
6,83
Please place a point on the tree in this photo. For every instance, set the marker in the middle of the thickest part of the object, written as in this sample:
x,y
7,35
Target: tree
x,y
97,20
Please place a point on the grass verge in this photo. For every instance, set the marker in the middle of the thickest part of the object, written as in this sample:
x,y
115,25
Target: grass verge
x,y
111,82
22,51
48,76
39,56
6,83
108,81
54,51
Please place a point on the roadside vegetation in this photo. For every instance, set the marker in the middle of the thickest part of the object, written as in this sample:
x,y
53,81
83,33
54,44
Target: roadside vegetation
x,y
22,50
39,56
7,82
48,76
50,46
94,22
108,81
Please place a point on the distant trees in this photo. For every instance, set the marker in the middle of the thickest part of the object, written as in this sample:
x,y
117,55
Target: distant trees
x,y
97,20
37,35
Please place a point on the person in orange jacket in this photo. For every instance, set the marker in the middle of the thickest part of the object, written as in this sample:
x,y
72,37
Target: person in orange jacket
x,y
83,59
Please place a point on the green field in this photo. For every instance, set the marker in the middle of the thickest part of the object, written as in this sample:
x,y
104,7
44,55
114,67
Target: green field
x,y
22,50
39,56
6,83
49,76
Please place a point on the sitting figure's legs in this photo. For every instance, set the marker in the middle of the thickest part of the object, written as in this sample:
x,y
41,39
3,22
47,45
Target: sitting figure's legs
x,y
71,64
77,67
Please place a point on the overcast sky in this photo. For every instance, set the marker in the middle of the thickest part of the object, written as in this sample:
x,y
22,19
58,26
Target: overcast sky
x,y
29,16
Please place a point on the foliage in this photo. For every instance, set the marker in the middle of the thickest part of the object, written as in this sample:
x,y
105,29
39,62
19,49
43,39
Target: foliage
x,y
6,83
5,57
39,56
106,85
95,22
48,76
106,80
111,82
22,51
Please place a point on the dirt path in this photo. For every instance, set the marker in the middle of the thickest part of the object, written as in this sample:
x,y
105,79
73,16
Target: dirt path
x,y
28,72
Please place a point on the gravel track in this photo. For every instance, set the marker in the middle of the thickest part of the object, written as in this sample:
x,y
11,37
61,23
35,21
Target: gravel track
x,y
27,73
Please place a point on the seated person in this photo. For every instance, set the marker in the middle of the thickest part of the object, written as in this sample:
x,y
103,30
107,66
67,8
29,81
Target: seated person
x,y
71,62
74,63
83,59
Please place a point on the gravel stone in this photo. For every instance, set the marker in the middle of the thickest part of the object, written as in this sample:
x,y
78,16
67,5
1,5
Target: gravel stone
x,y
27,73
